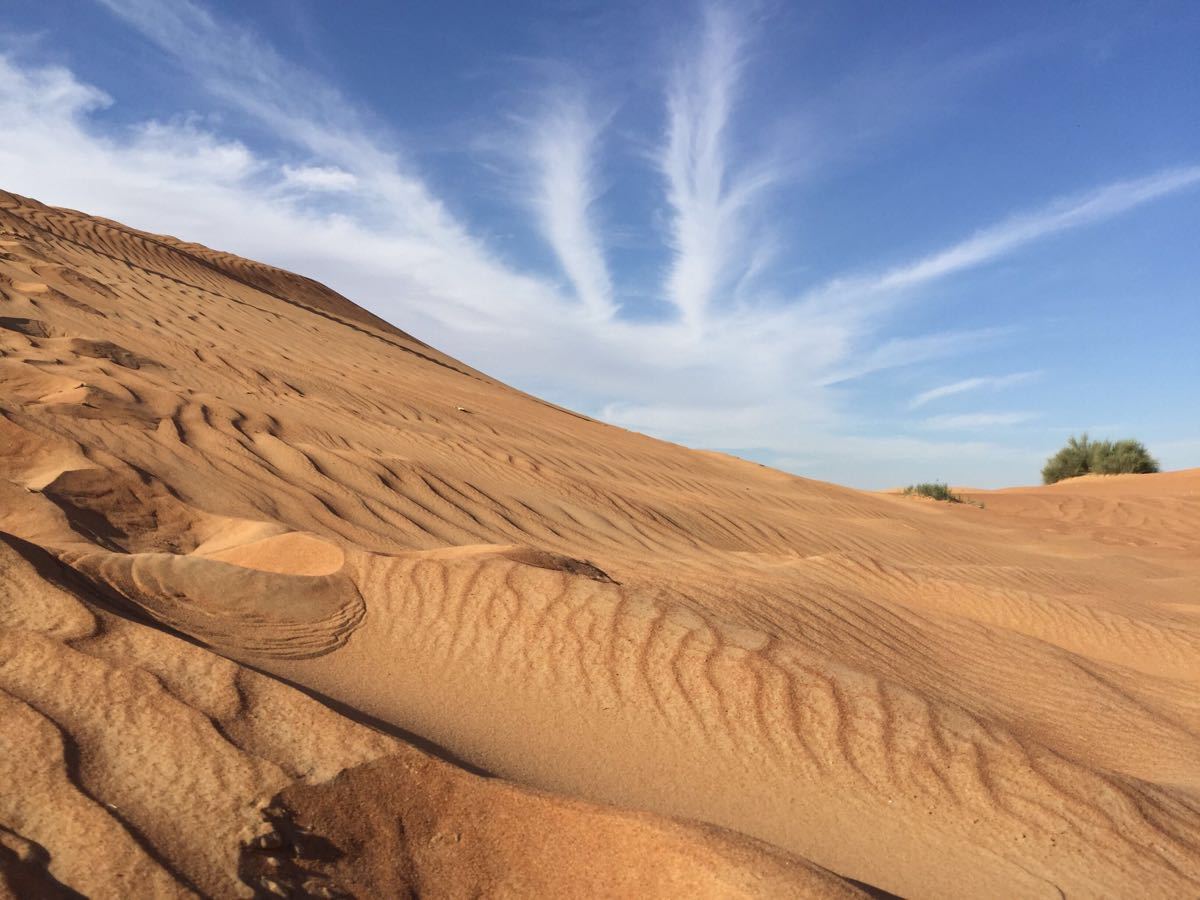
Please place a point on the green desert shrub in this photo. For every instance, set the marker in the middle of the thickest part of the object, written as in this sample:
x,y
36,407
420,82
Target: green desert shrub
x,y
1083,456
1124,456
935,490
1072,460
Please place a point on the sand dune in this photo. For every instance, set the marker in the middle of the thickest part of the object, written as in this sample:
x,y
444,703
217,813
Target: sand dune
x,y
275,576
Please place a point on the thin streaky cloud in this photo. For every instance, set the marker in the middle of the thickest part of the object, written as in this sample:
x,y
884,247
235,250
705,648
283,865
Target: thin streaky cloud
x,y
564,149
1061,215
319,178
241,69
447,261
898,352
993,382
994,242
708,197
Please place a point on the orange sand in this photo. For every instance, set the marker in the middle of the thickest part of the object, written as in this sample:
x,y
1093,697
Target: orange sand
x,y
252,537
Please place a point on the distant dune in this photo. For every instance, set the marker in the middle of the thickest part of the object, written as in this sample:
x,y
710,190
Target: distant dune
x,y
292,603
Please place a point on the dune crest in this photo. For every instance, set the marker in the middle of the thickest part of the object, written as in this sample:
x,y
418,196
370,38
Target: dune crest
x,y
314,576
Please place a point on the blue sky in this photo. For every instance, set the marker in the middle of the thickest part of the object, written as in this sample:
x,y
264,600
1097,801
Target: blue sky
x,y
866,242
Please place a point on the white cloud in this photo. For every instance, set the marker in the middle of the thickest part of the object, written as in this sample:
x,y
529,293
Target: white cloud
x,y
992,382
897,352
710,200
319,178
730,369
563,148
1010,235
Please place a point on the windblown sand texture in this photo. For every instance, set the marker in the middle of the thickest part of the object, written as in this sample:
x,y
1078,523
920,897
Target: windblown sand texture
x,y
292,603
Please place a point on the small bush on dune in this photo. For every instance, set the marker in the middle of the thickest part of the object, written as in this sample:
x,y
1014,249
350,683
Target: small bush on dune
x,y
934,490
1069,462
1124,456
1083,456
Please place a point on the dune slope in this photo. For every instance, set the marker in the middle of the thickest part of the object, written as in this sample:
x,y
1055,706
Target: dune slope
x,y
314,577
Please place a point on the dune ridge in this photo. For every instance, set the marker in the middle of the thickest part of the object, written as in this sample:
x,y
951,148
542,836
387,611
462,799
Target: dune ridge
x,y
240,509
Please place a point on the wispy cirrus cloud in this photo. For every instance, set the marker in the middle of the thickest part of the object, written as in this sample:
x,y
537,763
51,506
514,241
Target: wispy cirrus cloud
x,y
1004,238
709,197
730,368
898,352
563,149
986,382
318,178
1060,215
239,69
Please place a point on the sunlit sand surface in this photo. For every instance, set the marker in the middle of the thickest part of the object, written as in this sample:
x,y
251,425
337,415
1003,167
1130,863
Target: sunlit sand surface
x,y
291,601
